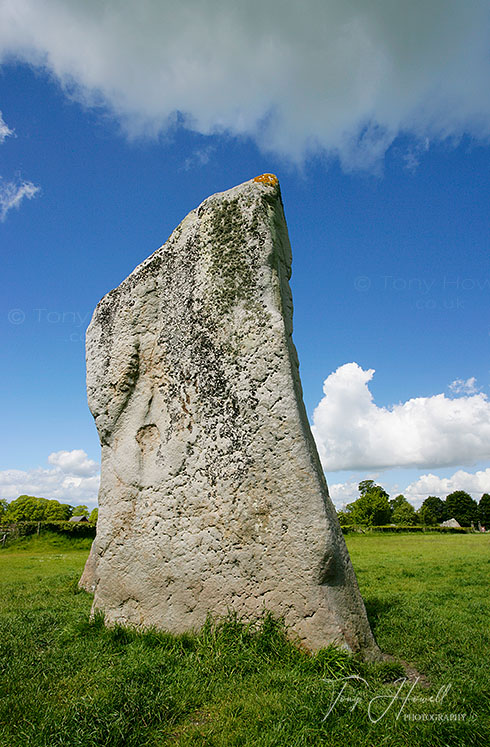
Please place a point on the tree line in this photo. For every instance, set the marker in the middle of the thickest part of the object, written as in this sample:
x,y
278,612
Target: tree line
x,y
374,508
30,508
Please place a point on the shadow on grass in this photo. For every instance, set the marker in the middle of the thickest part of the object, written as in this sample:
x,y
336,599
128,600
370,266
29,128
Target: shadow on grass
x,y
377,608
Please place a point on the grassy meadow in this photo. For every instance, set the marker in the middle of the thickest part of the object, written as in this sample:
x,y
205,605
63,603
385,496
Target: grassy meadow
x,y
68,682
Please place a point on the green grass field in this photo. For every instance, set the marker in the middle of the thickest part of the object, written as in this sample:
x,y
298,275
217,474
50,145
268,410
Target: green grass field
x,y
66,681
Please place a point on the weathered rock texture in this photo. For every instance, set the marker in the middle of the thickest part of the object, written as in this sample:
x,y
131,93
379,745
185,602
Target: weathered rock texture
x,y
212,496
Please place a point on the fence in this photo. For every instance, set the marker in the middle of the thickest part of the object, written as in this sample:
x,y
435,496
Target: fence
x,y
65,528
444,530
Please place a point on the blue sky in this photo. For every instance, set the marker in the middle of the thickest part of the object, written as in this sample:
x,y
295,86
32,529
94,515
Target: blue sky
x,y
386,183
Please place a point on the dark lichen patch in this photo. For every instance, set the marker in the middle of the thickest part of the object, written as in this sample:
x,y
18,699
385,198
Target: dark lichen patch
x,y
232,262
268,212
128,380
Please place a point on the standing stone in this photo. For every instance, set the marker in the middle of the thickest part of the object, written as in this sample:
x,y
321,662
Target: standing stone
x,y
212,496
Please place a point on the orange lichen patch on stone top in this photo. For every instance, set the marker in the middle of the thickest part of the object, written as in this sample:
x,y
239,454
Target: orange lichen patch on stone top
x,y
267,179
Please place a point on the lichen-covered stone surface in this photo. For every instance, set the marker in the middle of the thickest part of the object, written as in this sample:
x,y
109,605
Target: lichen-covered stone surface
x,y
212,496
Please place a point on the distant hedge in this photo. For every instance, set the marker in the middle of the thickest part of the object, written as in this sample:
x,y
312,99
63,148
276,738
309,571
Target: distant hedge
x,y
398,529
66,528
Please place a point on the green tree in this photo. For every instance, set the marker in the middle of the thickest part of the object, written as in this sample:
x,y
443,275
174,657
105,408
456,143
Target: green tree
x,y
94,515
397,501
30,508
372,508
426,516
80,511
3,508
26,508
365,486
461,506
484,511
437,508
56,511
402,511
38,509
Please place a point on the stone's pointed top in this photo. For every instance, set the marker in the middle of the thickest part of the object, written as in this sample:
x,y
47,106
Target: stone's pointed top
x,y
248,190
267,179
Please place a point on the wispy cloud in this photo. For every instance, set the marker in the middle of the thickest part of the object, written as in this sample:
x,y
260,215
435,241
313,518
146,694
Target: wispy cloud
x,y
199,157
342,78
12,194
353,433
5,131
414,153
460,386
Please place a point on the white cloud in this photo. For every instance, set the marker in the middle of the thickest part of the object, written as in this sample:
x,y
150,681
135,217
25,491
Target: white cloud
x,y
74,479
12,194
459,386
475,483
344,77
353,433
5,131
343,493
74,462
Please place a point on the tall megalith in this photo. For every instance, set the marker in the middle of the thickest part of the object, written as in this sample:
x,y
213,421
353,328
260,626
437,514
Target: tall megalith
x,y
212,496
